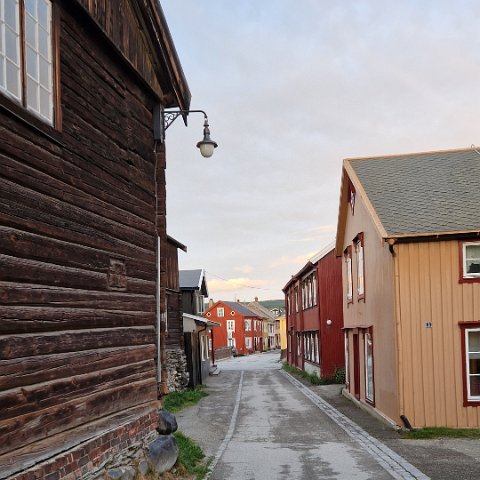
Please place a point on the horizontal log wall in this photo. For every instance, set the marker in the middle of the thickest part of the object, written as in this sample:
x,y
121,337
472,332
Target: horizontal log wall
x,y
78,251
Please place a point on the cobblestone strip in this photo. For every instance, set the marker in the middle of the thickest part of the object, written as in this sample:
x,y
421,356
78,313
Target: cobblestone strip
x,y
393,463
231,429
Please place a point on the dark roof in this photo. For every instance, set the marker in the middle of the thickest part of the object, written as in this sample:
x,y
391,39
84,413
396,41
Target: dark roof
x,y
190,279
240,308
176,243
424,193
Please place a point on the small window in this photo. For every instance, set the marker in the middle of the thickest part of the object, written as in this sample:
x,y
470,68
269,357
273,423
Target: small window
x,y
200,304
248,325
359,242
471,261
351,196
231,342
248,343
231,325
220,312
348,266
26,58
369,384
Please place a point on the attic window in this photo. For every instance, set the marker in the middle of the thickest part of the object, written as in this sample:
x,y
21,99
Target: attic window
x,y
351,196
470,261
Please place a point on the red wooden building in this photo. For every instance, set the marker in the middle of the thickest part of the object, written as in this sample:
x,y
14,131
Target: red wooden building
x,y
313,300
240,328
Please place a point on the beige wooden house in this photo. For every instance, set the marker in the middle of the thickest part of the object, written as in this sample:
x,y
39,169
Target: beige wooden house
x,y
409,234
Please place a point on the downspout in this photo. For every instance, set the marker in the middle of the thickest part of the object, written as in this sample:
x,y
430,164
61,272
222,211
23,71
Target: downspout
x,y
398,333
159,361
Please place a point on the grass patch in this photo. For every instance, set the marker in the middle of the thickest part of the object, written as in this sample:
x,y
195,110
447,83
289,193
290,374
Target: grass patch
x,y
175,401
429,433
191,456
313,378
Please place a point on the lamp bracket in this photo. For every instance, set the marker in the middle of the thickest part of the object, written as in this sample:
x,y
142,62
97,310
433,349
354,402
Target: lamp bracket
x,y
164,118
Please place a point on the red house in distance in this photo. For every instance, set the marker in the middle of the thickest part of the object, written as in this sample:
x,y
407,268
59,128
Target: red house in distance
x,y
313,298
240,328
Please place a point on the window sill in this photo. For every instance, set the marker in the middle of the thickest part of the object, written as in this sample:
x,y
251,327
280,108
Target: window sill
x,y
469,280
471,403
21,114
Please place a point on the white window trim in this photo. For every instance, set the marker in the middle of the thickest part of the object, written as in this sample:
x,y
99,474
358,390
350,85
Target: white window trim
x,y
360,268
368,395
470,398
220,312
465,274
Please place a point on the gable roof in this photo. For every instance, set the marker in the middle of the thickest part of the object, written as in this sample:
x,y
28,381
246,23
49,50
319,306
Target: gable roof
x,y
241,308
422,194
260,310
193,280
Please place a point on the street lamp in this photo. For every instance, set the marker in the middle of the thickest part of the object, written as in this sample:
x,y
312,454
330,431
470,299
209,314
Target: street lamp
x,y
163,119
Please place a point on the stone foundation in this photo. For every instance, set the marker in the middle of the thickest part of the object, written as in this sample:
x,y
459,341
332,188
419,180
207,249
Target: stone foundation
x,y
177,370
126,444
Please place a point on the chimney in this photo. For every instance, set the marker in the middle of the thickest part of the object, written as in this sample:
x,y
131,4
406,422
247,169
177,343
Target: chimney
x,y
256,299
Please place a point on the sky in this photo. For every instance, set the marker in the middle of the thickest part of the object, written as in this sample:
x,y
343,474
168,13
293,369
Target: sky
x,y
291,89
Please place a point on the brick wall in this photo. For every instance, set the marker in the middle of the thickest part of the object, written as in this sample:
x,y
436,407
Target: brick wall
x,y
92,458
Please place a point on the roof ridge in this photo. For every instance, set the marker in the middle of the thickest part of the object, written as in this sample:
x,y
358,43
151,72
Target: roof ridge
x,y
413,154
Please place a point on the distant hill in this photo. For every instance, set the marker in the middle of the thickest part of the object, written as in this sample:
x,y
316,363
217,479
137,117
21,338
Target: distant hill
x,y
273,303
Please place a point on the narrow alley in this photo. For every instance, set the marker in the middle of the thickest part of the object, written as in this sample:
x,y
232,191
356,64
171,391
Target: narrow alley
x,y
258,423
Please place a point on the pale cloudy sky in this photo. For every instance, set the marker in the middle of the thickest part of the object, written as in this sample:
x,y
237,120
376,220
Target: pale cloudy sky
x,y
291,88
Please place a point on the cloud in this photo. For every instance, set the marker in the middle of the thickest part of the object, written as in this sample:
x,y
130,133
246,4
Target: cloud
x,y
234,284
286,260
316,234
244,269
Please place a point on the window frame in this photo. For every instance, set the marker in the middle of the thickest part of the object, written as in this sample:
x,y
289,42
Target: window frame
x,y
230,322
369,333
247,325
347,254
359,243
220,312
19,107
466,328
465,277
248,343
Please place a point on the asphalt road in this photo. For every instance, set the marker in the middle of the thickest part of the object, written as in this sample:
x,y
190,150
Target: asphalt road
x,y
260,423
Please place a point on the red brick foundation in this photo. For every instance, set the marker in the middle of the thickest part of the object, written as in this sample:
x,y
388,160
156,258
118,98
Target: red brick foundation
x,y
90,459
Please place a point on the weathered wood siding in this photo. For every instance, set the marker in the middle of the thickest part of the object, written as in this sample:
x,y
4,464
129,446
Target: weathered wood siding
x,y
78,250
428,290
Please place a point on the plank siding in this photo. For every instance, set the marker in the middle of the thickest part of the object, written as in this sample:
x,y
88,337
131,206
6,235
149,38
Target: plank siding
x,y
78,223
432,374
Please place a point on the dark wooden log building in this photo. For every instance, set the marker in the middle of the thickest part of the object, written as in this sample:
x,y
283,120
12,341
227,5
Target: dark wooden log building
x,y
82,200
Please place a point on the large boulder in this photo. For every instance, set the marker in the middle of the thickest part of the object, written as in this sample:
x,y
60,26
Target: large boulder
x,y
162,453
167,423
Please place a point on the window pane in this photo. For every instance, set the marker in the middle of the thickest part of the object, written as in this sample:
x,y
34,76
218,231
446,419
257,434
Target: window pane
x,y
32,94
31,7
45,103
12,46
474,341
32,63
44,14
45,71
11,14
13,79
44,43
473,251
475,386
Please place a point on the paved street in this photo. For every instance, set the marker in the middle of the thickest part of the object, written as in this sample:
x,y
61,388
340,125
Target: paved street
x,y
260,423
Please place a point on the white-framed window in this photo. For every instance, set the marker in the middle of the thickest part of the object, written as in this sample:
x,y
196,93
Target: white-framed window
x,y
248,325
471,260
369,385
360,266
314,289
231,342
348,266
248,343
347,362
200,304
231,325
202,349
210,343
296,299
220,312
26,59
317,349
472,362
